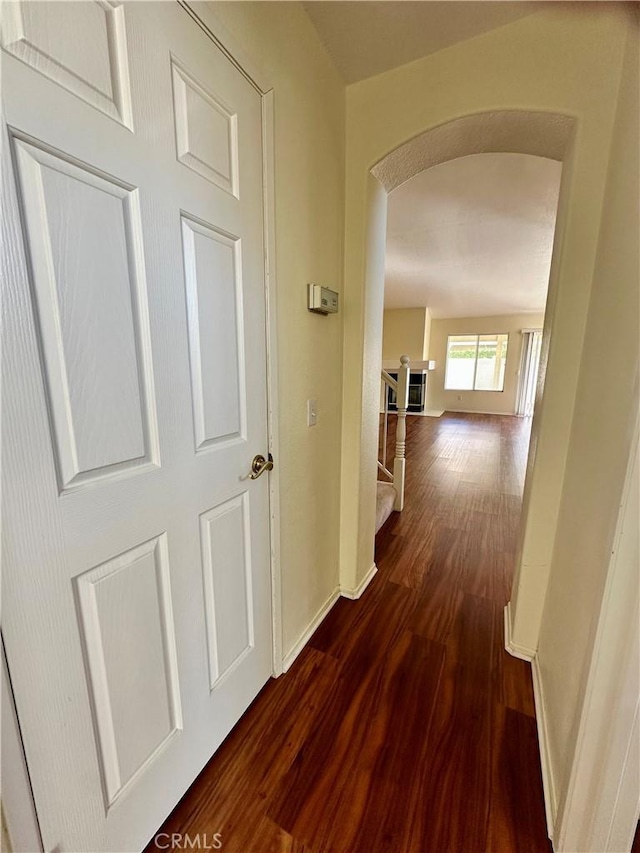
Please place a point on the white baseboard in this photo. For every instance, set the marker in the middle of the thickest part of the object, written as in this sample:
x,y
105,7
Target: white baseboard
x,y
480,412
348,592
517,651
306,635
428,413
530,655
550,796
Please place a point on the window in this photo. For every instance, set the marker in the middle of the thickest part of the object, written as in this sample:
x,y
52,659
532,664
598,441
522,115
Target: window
x,y
476,362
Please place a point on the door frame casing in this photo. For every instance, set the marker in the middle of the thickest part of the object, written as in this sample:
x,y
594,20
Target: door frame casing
x,y
22,803
18,804
602,803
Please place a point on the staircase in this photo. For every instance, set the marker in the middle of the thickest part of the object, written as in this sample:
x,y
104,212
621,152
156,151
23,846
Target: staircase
x,y
390,490
385,501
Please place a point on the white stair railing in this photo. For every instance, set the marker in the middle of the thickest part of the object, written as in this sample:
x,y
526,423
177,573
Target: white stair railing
x,y
401,389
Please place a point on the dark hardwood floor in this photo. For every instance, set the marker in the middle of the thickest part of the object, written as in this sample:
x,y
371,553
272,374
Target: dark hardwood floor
x,y
404,726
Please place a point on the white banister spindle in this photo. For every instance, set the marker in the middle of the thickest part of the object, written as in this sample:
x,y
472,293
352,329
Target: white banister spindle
x,y
385,429
401,432
401,388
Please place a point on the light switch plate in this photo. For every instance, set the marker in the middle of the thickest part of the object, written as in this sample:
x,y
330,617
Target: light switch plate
x,y
312,412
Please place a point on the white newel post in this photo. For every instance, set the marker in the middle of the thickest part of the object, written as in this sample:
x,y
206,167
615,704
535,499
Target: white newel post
x,y
401,432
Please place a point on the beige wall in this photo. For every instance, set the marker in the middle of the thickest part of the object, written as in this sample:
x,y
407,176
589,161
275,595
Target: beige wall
x,y
427,335
309,198
559,60
601,436
500,402
406,331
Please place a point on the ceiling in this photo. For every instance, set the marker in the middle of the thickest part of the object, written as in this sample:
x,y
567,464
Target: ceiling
x,y
473,237
365,38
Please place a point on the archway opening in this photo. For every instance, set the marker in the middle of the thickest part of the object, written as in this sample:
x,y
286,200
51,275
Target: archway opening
x,y
540,134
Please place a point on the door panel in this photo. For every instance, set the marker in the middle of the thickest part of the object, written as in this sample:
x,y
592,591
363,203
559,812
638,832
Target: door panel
x,y
83,231
213,280
95,67
206,131
136,575
226,554
128,631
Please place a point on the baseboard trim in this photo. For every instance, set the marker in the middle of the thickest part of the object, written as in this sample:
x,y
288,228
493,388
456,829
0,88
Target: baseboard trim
x,y
306,635
530,655
480,412
428,413
345,592
550,796
353,593
517,651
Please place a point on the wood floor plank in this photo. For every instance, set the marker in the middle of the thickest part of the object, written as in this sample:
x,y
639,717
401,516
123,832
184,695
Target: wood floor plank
x,y
370,752
268,837
516,816
394,790
404,726
517,686
358,632
408,566
336,742
439,606
472,641
456,776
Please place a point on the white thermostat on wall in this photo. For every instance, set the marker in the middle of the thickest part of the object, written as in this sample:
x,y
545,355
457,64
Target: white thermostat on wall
x,y
322,300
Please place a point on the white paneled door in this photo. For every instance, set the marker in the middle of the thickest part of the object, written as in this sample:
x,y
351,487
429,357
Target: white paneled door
x,y
136,575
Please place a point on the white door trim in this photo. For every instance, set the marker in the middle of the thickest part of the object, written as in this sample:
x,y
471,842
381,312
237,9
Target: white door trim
x,y
602,806
268,147
16,795
203,14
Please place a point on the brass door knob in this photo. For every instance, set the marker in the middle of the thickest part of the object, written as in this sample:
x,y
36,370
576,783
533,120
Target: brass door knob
x,y
260,465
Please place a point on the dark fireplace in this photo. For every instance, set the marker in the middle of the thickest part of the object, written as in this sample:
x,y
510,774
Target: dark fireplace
x,y
417,389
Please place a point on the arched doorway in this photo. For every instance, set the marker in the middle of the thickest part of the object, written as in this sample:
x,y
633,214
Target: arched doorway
x,y
536,133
